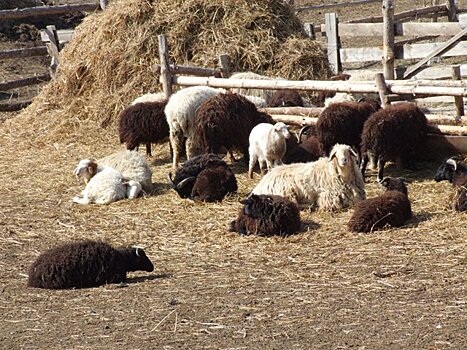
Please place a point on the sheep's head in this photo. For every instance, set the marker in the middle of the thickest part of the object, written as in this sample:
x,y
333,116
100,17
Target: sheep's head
x,y
86,169
395,184
345,160
137,260
282,129
257,206
185,187
447,169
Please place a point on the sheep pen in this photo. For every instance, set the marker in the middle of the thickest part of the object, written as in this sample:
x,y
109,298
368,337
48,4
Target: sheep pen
x,y
211,288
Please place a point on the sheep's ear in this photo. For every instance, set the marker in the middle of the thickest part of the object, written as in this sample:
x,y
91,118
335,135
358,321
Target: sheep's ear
x,y
452,162
353,152
332,154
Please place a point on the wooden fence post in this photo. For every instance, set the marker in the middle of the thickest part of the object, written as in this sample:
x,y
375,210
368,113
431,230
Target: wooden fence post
x,y
388,39
309,30
382,89
451,5
224,65
166,77
458,100
53,47
333,43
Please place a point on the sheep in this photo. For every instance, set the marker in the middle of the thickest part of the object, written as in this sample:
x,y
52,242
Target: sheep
x,y
267,215
307,149
259,102
286,98
265,94
224,122
85,264
143,122
180,112
131,164
107,185
392,208
391,133
329,184
150,97
204,178
267,146
455,171
343,123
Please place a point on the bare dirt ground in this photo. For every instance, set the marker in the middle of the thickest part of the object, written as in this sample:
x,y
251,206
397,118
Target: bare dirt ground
x,y
324,288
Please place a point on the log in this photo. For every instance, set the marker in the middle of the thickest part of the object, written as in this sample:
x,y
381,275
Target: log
x,y
294,120
458,100
166,77
23,53
328,6
46,10
298,111
224,65
319,85
447,130
13,107
200,72
8,85
382,90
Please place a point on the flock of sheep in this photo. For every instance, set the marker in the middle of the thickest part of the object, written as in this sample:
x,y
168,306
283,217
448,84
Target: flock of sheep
x,y
322,169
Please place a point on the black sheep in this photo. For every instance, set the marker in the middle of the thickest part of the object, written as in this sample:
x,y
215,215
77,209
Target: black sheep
x,y
204,178
286,98
307,149
343,123
85,264
224,122
392,133
267,215
455,171
143,123
392,208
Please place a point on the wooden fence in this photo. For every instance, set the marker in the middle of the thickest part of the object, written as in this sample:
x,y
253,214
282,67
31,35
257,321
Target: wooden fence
x,y
53,42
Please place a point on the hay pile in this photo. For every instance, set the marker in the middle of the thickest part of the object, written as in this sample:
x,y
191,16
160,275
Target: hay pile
x,y
110,60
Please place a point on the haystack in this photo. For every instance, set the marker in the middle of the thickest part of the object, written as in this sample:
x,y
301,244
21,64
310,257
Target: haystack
x,y
109,61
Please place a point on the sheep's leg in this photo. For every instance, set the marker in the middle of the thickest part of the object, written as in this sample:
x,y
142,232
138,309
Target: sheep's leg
x,y
253,159
363,164
176,140
148,150
269,165
79,200
381,164
190,148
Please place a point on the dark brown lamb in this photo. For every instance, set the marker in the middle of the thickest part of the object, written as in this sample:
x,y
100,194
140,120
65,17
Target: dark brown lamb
x,y
143,123
343,123
393,133
391,209
306,149
224,122
267,215
455,171
85,264
286,98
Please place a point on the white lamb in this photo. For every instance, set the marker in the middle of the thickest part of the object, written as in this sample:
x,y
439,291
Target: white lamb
x,y
328,184
131,164
267,145
264,94
107,185
180,112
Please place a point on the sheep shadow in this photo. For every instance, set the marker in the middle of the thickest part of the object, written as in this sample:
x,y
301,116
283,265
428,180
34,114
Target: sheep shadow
x,y
309,225
418,219
152,277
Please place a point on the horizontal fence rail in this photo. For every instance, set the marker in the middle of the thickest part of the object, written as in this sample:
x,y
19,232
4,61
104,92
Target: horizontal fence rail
x,y
47,10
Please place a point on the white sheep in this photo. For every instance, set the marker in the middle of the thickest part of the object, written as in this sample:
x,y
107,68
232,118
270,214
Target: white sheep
x,y
180,112
259,102
267,146
149,97
264,94
107,185
131,164
329,183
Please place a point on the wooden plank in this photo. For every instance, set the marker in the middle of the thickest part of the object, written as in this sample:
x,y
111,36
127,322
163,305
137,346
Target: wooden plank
x,y
198,71
47,10
446,46
440,10
400,29
366,54
333,43
388,41
319,85
451,5
309,30
224,65
442,146
436,72
64,35
382,89
298,111
23,53
329,6
7,85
